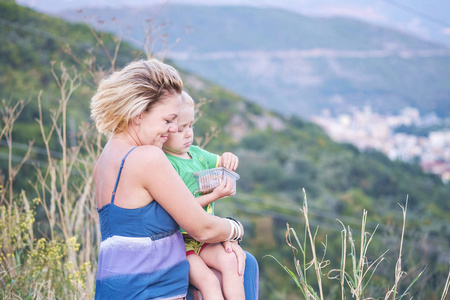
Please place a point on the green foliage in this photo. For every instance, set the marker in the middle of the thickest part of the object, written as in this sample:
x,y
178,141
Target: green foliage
x,y
32,43
35,268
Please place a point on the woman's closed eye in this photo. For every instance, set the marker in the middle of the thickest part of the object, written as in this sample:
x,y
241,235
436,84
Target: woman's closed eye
x,y
171,120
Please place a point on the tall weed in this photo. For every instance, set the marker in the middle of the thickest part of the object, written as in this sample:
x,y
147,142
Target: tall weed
x,y
354,275
53,265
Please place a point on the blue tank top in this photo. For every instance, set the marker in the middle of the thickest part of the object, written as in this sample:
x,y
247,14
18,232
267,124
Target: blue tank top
x,y
142,253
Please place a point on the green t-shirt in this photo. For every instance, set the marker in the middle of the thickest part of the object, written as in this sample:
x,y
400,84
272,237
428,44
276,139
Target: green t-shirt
x,y
200,160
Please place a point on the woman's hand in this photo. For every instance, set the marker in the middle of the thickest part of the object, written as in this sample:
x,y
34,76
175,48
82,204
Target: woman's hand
x,y
240,255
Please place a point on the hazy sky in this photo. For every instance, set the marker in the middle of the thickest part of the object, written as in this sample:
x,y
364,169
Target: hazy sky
x,y
428,19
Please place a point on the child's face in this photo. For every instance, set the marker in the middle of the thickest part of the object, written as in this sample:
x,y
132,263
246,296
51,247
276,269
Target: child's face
x,y
178,143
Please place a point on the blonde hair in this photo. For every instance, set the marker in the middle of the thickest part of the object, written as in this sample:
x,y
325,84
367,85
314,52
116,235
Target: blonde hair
x,y
187,100
131,91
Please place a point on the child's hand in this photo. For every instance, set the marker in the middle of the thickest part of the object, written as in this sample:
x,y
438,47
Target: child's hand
x,y
230,161
226,188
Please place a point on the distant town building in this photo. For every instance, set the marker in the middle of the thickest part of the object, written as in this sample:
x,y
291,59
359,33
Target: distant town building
x,y
368,130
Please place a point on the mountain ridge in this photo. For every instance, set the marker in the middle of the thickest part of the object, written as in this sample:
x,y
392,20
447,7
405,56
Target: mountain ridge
x,y
304,63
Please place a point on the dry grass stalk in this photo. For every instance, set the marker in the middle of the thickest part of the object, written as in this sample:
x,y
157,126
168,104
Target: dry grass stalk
x,y
317,267
9,115
64,189
446,288
100,40
301,277
399,273
362,269
357,280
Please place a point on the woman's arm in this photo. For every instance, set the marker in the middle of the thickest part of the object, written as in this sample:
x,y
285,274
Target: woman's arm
x,y
164,184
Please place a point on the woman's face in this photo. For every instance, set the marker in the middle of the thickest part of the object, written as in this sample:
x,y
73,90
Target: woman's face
x,y
161,120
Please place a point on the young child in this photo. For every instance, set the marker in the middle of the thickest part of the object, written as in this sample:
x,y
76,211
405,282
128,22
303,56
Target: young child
x,y
188,159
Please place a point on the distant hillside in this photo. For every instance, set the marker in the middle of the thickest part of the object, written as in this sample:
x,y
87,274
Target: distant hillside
x,y
278,157
291,63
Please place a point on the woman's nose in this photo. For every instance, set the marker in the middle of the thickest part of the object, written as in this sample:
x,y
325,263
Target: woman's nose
x,y
173,127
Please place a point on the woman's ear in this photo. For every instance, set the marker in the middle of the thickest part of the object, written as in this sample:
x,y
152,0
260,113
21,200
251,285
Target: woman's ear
x,y
137,119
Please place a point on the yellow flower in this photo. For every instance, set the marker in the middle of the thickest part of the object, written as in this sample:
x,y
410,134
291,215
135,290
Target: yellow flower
x,y
72,243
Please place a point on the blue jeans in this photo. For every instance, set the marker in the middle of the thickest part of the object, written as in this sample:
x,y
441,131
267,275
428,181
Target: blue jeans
x,y
251,279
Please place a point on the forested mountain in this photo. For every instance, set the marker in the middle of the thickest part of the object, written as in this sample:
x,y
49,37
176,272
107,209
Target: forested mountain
x,y
278,157
292,63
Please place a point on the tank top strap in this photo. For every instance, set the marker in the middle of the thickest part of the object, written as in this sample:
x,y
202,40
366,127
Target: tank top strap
x,y
118,175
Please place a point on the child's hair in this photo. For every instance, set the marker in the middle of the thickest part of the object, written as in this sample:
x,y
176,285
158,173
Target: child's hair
x,y
187,100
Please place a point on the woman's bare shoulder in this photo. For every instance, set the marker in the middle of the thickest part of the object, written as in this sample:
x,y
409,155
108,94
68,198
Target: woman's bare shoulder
x,y
148,151
149,156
